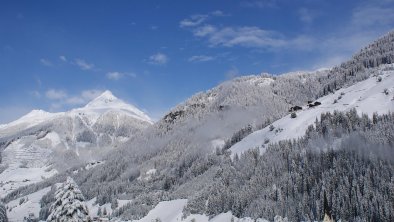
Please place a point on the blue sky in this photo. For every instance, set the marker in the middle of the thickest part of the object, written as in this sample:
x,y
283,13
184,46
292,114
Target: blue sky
x,y
56,55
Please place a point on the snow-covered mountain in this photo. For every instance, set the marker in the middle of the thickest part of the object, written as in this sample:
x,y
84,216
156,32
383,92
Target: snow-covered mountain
x,y
62,140
180,148
182,165
104,103
373,95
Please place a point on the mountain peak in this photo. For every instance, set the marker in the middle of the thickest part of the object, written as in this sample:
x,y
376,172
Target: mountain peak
x,y
107,101
104,99
106,96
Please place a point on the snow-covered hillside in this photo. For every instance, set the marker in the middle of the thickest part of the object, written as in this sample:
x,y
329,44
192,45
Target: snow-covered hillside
x,y
37,144
22,207
374,94
172,211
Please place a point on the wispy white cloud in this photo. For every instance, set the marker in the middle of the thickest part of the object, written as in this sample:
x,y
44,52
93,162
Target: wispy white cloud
x,y
60,98
82,64
198,19
46,62
63,58
158,58
204,30
194,20
83,97
114,75
201,58
55,94
243,36
240,36
369,20
373,15
219,13
118,75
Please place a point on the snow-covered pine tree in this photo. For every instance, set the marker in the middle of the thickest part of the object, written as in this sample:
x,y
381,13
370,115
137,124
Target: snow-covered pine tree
x,y
99,213
3,213
114,203
68,205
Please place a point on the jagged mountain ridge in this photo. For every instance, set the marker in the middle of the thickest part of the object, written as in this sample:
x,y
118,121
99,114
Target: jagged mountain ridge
x,y
62,140
94,109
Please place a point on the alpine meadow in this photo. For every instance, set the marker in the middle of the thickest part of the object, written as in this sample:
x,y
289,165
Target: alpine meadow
x,y
194,111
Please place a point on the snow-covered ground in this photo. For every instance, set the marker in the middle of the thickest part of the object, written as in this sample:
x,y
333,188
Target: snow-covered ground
x,y
26,162
93,207
30,205
171,211
13,178
166,211
26,151
366,97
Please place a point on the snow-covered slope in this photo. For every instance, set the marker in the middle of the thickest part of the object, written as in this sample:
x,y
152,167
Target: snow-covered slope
x,y
41,139
172,211
32,118
368,96
22,207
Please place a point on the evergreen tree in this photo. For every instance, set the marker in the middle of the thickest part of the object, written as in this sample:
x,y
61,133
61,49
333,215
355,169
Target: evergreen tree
x,y
326,208
3,213
99,213
68,205
114,203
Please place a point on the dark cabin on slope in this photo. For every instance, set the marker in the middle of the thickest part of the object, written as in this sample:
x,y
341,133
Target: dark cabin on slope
x,y
310,105
295,108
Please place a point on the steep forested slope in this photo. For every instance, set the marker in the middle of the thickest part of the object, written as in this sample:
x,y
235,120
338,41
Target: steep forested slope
x,y
344,156
195,128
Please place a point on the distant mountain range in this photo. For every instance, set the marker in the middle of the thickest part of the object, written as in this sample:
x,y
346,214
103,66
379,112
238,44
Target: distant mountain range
x,y
61,140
